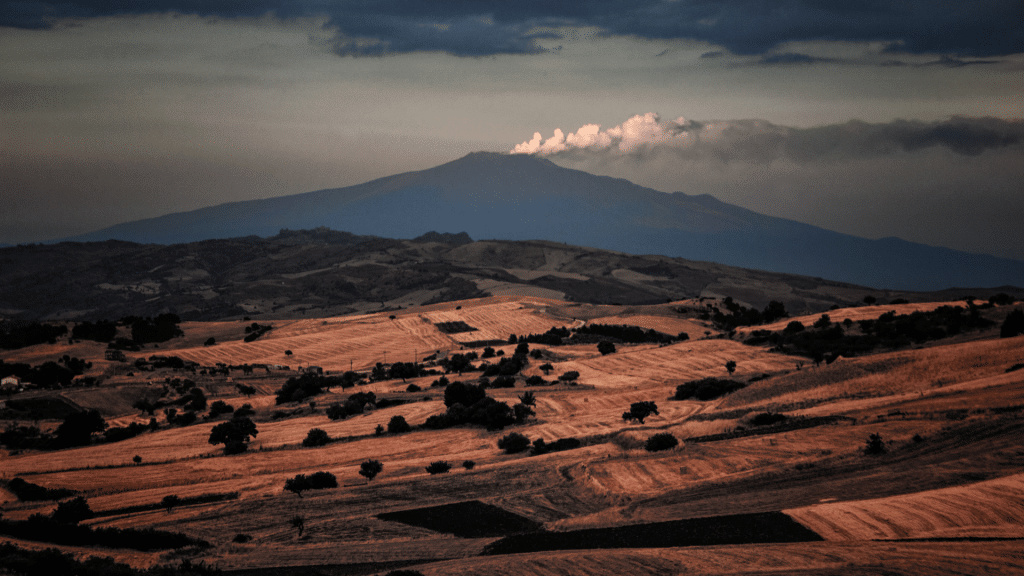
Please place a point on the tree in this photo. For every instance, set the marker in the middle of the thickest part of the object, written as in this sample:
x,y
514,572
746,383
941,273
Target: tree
x,y
169,502
370,469
233,434
658,442
793,327
398,425
638,411
823,322
1013,325
605,348
528,399
774,311
287,352
144,406
210,341
244,389
570,376
514,442
72,511
522,349
78,428
463,393
137,459
730,366
468,464
521,412
546,368
197,401
299,523
316,437
869,300
379,430
875,445
488,352
439,467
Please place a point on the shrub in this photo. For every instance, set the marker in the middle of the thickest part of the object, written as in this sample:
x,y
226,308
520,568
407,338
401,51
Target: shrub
x,y
317,481
439,467
659,442
767,419
316,437
370,469
413,388
398,425
72,511
513,443
468,464
1013,325
570,376
220,407
605,348
541,447
875,445
29,492
170,501
241,538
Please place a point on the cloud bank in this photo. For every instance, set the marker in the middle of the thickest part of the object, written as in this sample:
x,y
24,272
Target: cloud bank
x,y
761,141
487,27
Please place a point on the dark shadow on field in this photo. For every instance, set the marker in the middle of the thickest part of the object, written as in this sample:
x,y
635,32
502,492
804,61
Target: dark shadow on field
x,y
759,528
472,519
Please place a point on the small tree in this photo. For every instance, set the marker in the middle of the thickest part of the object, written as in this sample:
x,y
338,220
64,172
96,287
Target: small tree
x,y
379,430
297,485
638,411
299,523
605,348
439,467
398,425
137,459
210,341
468,464
287,352
663,441
370,469
169,502
514,442
316,437
528,399
72,511
875,445
730,366
570,376
1013,325
546,368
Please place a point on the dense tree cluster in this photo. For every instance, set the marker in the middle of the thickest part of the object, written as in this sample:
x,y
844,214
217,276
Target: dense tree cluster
x,y
99,331
316,481
827,340
14,336
29,492
149,330
46,375
706,389
254,331
542,447
354,404
738,315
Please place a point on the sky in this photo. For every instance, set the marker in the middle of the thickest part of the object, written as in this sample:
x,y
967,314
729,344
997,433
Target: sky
x,y
877,118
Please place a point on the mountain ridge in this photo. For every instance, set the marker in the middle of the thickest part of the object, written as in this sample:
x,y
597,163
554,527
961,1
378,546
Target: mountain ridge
x,y
519,197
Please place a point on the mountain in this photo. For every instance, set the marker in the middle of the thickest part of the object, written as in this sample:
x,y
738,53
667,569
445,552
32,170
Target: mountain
x,y
521,197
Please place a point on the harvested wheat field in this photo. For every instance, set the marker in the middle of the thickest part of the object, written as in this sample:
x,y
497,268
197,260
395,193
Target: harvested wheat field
x,y
897,461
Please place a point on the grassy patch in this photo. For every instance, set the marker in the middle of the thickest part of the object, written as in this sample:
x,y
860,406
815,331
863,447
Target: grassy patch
x,y
472,519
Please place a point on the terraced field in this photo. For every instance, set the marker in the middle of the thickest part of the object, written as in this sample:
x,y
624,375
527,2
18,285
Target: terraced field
x,y
949,415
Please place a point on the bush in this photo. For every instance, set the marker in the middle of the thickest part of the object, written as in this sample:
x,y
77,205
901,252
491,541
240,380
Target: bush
x,y
605,348
541,447
398,425
468,464
513,443
767,419
72,511
570,376
439,467
370,469
413,388
220,407
316,437
241,538
315,481
875,445
659,442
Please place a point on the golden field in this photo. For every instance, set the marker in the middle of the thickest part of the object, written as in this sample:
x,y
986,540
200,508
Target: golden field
x,y
944,498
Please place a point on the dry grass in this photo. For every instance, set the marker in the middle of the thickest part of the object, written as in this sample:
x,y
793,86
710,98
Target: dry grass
x,y
610,481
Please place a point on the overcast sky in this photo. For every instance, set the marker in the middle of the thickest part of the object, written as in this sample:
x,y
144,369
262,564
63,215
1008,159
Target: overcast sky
x,y
888,118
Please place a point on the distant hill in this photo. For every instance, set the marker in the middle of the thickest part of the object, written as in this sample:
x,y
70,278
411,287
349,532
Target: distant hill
x,y
520,197
323,272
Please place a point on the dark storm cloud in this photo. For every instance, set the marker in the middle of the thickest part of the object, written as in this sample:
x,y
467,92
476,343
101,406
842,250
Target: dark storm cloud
x,y
473,28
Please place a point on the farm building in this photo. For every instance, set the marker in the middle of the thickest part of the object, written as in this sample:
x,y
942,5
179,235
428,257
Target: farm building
x,y
10,383
115,356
